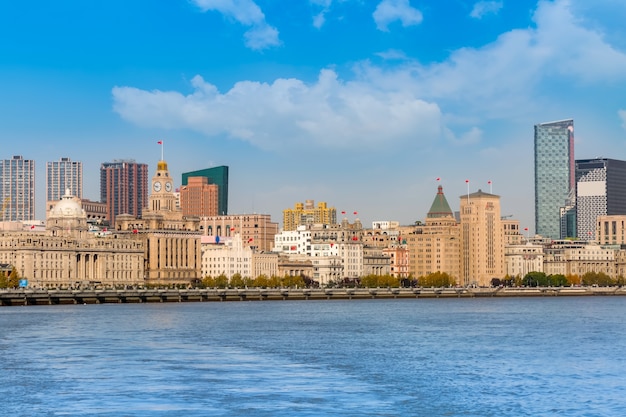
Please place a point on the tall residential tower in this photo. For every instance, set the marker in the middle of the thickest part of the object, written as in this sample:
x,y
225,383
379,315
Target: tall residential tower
x,y
216,175
124,187
62,175
17,189
554,175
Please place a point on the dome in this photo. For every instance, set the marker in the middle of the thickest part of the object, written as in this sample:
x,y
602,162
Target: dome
x,y
67,207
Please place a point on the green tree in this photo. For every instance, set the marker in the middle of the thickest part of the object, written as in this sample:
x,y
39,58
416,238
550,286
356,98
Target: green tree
x,y
597,278
4,280
221,281
437,279
557,280
261,281
237,281
535,279
13,280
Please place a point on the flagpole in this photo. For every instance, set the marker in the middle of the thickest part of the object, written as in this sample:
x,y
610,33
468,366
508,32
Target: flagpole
x,y
467,182
162,151
490,187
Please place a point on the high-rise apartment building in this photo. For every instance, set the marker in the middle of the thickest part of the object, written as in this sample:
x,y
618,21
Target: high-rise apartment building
x,y
17,188
600,191
307,213
482,239
61,175
218,176
554,175
199,198
124,187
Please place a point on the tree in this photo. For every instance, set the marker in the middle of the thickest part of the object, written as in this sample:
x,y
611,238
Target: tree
x,y
437,279
535,279
237,281
261,281
557,280
13,280
597,278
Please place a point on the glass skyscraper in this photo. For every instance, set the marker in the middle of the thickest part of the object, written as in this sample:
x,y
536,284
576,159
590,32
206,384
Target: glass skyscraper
x,y
554,175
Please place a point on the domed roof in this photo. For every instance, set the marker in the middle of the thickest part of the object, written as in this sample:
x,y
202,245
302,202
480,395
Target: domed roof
x,y
67,207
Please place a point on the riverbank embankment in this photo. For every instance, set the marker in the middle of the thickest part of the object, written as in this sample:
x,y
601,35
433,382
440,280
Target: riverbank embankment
x,y
25,296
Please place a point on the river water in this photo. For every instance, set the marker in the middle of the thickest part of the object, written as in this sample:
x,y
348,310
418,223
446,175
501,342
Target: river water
x,y
551,356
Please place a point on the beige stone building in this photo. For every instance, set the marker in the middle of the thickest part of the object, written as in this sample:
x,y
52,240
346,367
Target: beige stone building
x,y
257,231
482,239
569,257
611,230
172,241
520,259
435,245
307,213
67,255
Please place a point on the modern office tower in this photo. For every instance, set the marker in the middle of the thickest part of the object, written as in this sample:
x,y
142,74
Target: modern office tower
x,y
554,175
216,175
199,198
307,213
482,239
600,191
124,187
61,175
17,188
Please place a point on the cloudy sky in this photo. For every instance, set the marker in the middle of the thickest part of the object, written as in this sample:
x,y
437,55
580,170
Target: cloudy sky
x,y
359,103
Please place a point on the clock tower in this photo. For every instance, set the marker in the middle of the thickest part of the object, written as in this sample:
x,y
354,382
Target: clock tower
x,y
162,198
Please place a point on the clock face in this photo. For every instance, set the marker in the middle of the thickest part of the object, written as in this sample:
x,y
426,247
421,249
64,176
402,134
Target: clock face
x,y
157,186
168,186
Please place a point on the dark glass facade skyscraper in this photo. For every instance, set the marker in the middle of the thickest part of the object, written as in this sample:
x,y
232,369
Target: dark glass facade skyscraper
x,y
554,175
600,190
216,175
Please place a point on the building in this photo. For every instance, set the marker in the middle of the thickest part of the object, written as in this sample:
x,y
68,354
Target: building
x,y
124,188
172,242
554,175
17,188
227,259
257,230
62,175
67,255
611,230
307,213
600,191
520,259
435,245
482,239
199,198
217,176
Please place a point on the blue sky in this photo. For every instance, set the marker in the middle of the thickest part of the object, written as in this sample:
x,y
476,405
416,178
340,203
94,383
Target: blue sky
x,y
359,103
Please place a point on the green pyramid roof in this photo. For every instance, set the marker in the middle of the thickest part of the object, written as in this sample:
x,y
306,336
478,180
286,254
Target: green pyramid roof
x,y
440,207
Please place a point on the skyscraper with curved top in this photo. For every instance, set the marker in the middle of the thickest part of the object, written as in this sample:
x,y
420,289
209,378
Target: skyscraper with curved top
x,y
554,175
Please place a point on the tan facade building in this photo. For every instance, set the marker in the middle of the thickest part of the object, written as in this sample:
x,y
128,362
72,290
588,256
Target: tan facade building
x,y
257,230
199,198
67,255
482,239
307,213
435,245
171,241
611,230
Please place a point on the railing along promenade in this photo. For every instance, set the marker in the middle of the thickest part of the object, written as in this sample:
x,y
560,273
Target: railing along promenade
x,y
26,296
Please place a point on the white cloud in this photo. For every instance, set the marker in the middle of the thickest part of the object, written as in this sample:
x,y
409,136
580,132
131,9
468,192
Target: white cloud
x,y
388,11
392,54
411,102
483,8
248,13
288,113
622,115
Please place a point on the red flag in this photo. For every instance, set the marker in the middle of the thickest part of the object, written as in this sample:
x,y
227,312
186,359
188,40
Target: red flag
x,y
250,240
104,230
438,179
160,142
332,244
232,229
526,228
32,226
355,238
355,212
343,212
467,181
135,231
489,182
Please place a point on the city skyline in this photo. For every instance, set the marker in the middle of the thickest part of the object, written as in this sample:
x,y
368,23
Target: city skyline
x,y
358,104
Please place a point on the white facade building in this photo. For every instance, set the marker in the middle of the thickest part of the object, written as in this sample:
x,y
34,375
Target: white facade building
x,y
229,259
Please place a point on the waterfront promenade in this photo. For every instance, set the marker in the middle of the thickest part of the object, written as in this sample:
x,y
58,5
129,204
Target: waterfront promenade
x,y
25,296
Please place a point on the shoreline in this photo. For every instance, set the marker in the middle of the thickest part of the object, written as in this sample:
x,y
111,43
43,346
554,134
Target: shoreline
x,y
25,296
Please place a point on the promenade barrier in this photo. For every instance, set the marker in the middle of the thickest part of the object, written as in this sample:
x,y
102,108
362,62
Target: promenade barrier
x,y
27,296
